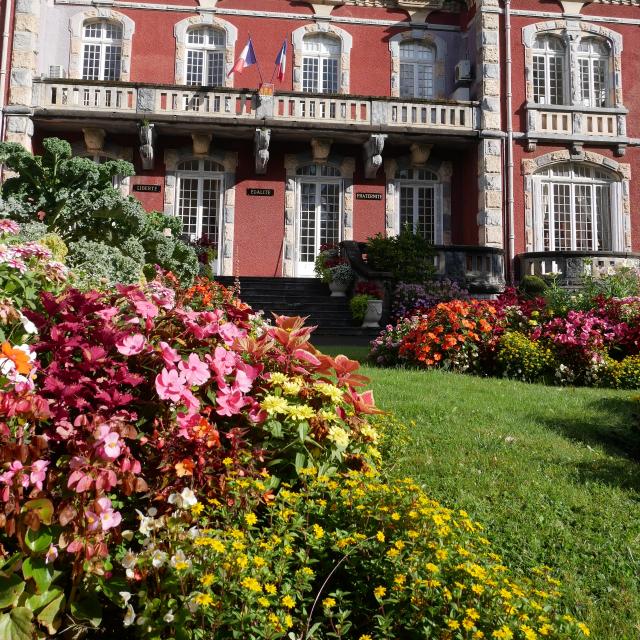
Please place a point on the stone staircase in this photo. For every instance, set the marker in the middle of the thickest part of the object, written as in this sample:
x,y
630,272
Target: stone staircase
x,y
304,297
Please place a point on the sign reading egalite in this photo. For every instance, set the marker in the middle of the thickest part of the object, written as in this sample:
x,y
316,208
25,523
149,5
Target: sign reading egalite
x,y
259,192
360,195
147,188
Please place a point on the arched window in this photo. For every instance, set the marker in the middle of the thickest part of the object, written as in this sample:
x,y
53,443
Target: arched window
x,y
416,70
199,203
321,64
101,50
205,56
549,64
419,205
575,205
594,64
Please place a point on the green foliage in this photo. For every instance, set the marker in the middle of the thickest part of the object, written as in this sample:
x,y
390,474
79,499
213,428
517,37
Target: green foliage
x,y
622,283
408,256
524,359
97,264
75,199
37,232
358,306
532,286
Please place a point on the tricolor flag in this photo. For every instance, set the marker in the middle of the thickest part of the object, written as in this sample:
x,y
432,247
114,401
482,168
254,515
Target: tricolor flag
x,y
246,59
281,62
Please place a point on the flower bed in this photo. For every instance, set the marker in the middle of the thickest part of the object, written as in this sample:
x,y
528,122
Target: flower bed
x,y
173,467
596,342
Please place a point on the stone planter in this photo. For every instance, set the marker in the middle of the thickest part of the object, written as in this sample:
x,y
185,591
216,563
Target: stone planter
x,y
373,314
338,289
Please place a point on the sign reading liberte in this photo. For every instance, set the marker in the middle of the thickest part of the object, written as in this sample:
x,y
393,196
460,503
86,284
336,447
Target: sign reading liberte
x,y
259,192
147,188
362,195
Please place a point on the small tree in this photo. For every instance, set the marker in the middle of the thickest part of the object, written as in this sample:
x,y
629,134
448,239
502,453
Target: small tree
x,y
109,235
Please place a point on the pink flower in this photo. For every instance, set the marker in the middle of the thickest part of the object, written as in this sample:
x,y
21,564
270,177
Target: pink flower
x,y
51,554
131,345
229,332
230,404
38,473
93,520
111,445
146,309
169,354
170,385
9,226
245,375
194,370
108,517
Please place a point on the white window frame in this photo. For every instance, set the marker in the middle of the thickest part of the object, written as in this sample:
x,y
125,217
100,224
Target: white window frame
x,y
590,59
317,179
548,59
322,59
200,175
413,181
102,43
544,181
208,50
418,64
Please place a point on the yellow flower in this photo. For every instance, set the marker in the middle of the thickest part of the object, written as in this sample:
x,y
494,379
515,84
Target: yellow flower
x,y
252,584
467,623
453,624
365,637
330,391
288,601
263,602
339,437
395,516
300,412
250,519
270,589
207,579
432,567
203,599
477,635
380,536
288,621
583,627
181,566
393,553
274,404
197,508
259,561
442,554
291,388
277,378
318,531
545,629
328,603
379,592
503,633
529,633
227,462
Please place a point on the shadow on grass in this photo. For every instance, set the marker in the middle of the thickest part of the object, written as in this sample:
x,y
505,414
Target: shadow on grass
x,y
612,424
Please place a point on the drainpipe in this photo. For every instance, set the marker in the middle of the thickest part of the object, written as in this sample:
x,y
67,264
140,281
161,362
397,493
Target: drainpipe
x,y
4,63
509,107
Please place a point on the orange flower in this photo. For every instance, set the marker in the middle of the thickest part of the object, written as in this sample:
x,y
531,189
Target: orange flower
x,y
19,358
184,468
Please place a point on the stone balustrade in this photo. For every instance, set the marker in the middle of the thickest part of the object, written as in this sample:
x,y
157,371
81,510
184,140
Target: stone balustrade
x,y
570,267
479,269
149,101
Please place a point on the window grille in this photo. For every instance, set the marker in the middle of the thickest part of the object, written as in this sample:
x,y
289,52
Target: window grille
x,y
420,203
205,57
594,64
321,64
416,70
102,51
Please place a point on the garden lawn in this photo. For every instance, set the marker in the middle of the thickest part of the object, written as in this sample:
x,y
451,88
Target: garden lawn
x,y
552,473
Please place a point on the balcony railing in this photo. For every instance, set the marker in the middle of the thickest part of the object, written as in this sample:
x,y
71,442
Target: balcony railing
x,y
148,101
570,267
479,269
576,123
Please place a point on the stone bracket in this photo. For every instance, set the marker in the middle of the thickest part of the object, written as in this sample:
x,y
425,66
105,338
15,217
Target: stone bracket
x,y
94,140
420,154
261,140
201,143
320,149
323,8
577,151
372,151
147,136
531,144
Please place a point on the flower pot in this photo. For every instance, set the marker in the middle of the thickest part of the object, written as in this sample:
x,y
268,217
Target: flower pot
x,y
373,314
338,289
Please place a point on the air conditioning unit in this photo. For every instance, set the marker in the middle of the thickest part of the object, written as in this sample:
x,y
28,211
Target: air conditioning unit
x,y
57,71
463,71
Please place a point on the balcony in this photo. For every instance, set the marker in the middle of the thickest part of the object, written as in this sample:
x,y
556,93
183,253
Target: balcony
x,y
577,124
159,103
570,267
479,269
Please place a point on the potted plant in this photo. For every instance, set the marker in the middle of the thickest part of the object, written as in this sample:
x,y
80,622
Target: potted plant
x,y
366,304
334,270
207,252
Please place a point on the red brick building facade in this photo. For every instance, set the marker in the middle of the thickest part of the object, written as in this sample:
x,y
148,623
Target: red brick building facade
x,y
506,133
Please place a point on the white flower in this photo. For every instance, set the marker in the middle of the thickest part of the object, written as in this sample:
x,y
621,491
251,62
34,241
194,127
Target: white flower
x,y
183,500
129,561
158,558
153,512
169,617
125,595
127,534
339,437
130,616
29,327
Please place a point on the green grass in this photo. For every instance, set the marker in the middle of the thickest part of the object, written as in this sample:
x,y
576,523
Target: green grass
x,y
552,473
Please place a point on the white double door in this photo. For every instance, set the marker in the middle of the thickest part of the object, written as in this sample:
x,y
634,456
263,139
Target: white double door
x,y
319,221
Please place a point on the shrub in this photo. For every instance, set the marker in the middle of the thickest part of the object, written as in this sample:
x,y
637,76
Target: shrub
x,y
521,358
532,286
451,335
359,557
358,306
407,256
412,299
385,348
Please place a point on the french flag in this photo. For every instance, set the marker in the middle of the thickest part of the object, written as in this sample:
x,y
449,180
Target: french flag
x,y
246,59
281,62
